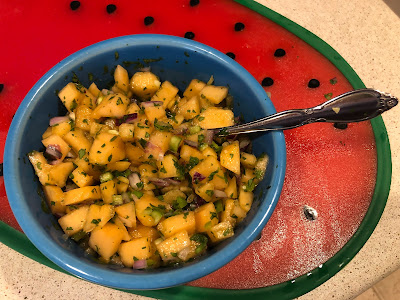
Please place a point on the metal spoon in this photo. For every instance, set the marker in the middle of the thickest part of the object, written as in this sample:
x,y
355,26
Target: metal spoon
x,y
355,106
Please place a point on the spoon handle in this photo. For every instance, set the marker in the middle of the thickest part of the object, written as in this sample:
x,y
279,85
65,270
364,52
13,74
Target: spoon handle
x,y
354,106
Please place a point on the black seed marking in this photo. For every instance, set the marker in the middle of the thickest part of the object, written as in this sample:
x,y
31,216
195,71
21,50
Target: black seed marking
x,y
310,213
340,125
1,87
279,52
74,5
189,35
148,20
1,169
194,2
111,8
267,81
231,55
313,83
239,26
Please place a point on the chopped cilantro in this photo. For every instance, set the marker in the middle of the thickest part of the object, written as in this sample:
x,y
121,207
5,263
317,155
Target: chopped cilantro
x,y
81,153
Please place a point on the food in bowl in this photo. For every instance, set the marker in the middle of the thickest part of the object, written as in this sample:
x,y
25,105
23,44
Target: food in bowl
x,y
136,174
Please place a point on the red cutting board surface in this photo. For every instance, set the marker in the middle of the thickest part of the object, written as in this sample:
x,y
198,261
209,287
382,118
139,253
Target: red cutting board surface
x,y
329,169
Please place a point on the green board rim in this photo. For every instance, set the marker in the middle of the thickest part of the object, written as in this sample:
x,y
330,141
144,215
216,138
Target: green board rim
x,y
307,282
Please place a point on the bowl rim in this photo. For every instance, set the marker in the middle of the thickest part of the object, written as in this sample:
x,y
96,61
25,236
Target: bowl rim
x,y
107,277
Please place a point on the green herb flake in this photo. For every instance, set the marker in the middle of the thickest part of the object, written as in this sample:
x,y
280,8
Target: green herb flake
x,y
138,194
328,96
81,153
116,55
333,80
110,157
113,138
39,165
96,221
69,228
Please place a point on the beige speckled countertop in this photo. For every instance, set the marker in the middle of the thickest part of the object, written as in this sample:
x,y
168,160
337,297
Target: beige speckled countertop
x,y
367,34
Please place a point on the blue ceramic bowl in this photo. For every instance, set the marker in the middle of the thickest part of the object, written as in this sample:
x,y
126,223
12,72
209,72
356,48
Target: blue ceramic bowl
x,y
177,60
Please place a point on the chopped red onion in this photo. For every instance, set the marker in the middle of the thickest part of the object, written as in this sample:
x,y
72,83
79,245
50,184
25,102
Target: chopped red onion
x,y
58,120
244,143
173,181
134,180
106,92
140,264
208,138
181,129
145,69
159,181
197,202
70,186
151,103
184,253
154,150
71,154
220,194
53,153
197,177
127,119
191,143
55,162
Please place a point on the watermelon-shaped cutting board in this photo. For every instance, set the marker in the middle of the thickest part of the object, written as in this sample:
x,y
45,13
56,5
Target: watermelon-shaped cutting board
x,y
331,170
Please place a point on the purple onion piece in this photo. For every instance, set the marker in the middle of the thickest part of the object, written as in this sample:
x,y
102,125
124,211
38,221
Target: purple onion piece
x,y
244,143
191,143
53,153
134,180
220,194
181,129
58,120
140,264
197,177
209,136
71,154
145,69
173,181
197,202
127,119
159,181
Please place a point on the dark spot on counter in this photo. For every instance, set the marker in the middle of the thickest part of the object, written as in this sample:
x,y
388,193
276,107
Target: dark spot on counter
x,y
189,35
279,52
313,83
148,20
267,81
239,26
231,55
111,8
74,5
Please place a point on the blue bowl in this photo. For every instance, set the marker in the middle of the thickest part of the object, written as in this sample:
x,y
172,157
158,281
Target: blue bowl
x,y
171,58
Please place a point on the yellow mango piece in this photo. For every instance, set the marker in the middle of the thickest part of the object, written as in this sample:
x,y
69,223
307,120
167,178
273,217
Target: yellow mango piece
x,y
55,199
144,231
136,249
69,96
144,84
220,232
98,216
214,94
113,105
47,133
245,200
142,131
59,143
167,168
126,132
122,184
238,213
78,141
230,157
132,109
108,189
97,128
127,213
158,144
61,129
190,109
248,160
208,151
94,90
125,234
135,154
172,195
83,117
81,178
210,168
147,171
87,167
194,88
74,221
216,117
118,166
205,191
82,194
121,78
106,148
147,201
226,214
206,217
170,247
154,112
177,223
188,151
231,189
165,93
106,240
58,174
